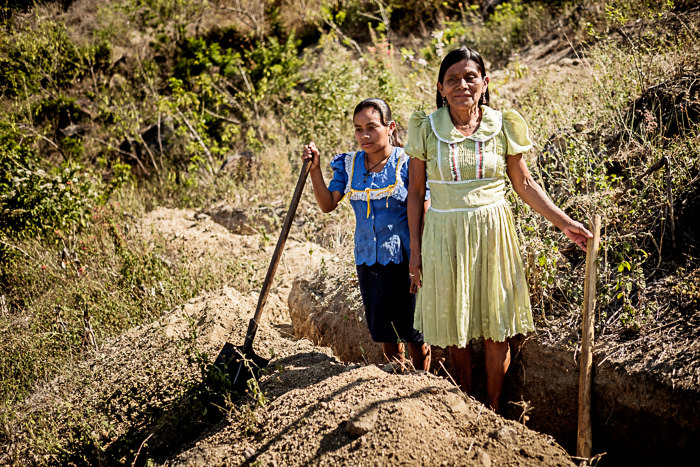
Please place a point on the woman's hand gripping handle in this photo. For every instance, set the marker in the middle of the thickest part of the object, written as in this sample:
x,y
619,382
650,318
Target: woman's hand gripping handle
x,y
311,152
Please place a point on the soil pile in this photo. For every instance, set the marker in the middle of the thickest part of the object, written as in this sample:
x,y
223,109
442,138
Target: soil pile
x,y
142,396
361,415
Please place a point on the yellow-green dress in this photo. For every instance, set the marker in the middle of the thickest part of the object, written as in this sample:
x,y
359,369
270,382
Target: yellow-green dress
x,y
474,282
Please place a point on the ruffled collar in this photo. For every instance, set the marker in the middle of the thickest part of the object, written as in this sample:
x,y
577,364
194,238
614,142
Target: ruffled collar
x,y
444,129
387,188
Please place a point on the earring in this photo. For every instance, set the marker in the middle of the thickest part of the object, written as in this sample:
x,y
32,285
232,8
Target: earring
x,y
444,101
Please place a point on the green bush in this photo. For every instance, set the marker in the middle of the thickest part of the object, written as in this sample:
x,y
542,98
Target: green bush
x,y
37,200
42,57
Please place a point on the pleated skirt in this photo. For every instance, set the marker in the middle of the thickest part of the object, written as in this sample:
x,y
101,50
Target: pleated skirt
x,y
474,282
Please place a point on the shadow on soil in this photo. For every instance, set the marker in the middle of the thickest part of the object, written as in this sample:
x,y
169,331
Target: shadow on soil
x,y
165,431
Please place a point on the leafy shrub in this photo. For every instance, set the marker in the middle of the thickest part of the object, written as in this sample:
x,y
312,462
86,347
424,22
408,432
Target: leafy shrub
x,y
42,57
273,71
38,200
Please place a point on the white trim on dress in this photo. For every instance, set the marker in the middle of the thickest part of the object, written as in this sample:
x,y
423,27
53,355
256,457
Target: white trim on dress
x,y
471,180
488,206
399,190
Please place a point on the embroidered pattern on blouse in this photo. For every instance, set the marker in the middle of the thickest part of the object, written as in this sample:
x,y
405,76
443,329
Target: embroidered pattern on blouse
x,y
486,160
479,148
454,163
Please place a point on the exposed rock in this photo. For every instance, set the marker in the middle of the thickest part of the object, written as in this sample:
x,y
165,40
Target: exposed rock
x,y
239,166
361,421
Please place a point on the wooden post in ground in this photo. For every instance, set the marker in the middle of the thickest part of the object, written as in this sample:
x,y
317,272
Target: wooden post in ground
x,y
584,440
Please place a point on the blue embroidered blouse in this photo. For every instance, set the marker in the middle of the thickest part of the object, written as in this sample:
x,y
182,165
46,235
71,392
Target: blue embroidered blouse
x,y
379,202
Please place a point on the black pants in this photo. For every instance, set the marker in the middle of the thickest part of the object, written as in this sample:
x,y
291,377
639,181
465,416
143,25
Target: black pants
x,y
389,305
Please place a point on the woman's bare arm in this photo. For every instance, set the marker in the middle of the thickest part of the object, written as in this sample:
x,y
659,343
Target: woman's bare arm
x,y
326,200
416,209
530,191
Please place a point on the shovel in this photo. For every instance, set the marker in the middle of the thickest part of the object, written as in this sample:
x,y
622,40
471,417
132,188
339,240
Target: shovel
x,y
241,364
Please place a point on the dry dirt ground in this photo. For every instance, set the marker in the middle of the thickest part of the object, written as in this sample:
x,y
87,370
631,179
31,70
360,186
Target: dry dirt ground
x,y
329,397
140,396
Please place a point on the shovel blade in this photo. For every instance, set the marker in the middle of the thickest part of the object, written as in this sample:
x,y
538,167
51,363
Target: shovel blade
x,y
238,365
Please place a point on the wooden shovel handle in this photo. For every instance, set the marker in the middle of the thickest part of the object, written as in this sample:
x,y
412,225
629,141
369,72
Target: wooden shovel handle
x,y
253,324
584,441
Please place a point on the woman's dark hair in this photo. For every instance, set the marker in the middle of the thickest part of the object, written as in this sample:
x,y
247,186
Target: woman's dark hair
x,y
456,56
384,116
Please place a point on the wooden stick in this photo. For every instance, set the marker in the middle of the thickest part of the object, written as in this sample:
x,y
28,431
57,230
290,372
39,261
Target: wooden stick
x,y
286,227
584,441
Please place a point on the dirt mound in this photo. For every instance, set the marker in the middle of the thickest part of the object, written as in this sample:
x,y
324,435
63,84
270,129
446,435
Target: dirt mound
x,y
137,386
196,235
142,397
637,384
364,416
240,221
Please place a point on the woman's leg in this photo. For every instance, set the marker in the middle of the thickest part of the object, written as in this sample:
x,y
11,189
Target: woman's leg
x,y
420,355
462,362
393,351
497,363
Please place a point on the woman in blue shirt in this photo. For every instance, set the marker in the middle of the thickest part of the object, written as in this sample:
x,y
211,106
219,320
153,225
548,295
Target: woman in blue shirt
x,y
376,181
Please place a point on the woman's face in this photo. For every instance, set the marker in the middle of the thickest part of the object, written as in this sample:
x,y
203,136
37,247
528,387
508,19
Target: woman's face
x,y
371,134
463,85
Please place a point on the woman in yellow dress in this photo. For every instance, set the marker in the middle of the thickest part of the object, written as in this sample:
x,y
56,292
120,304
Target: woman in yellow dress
x,y
465,260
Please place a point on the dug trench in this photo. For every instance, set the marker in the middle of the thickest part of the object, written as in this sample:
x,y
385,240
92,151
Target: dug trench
x,y
325,399
644,412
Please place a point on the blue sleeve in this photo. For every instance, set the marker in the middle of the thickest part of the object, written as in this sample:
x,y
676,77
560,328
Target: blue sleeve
x,y
340,175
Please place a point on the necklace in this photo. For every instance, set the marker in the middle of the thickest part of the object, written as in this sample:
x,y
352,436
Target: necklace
x,y
367,171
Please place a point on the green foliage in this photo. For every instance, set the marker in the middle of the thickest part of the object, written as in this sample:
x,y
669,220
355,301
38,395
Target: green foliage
x,y
263,75
107,270
322,111
494,37
59,114
406,16
169,17
67,246
44,57
199,56
220,94
508,20
36,200
273,70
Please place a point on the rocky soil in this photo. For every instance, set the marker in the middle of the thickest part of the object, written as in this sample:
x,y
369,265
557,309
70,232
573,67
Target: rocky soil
x,y
638,384
328,396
